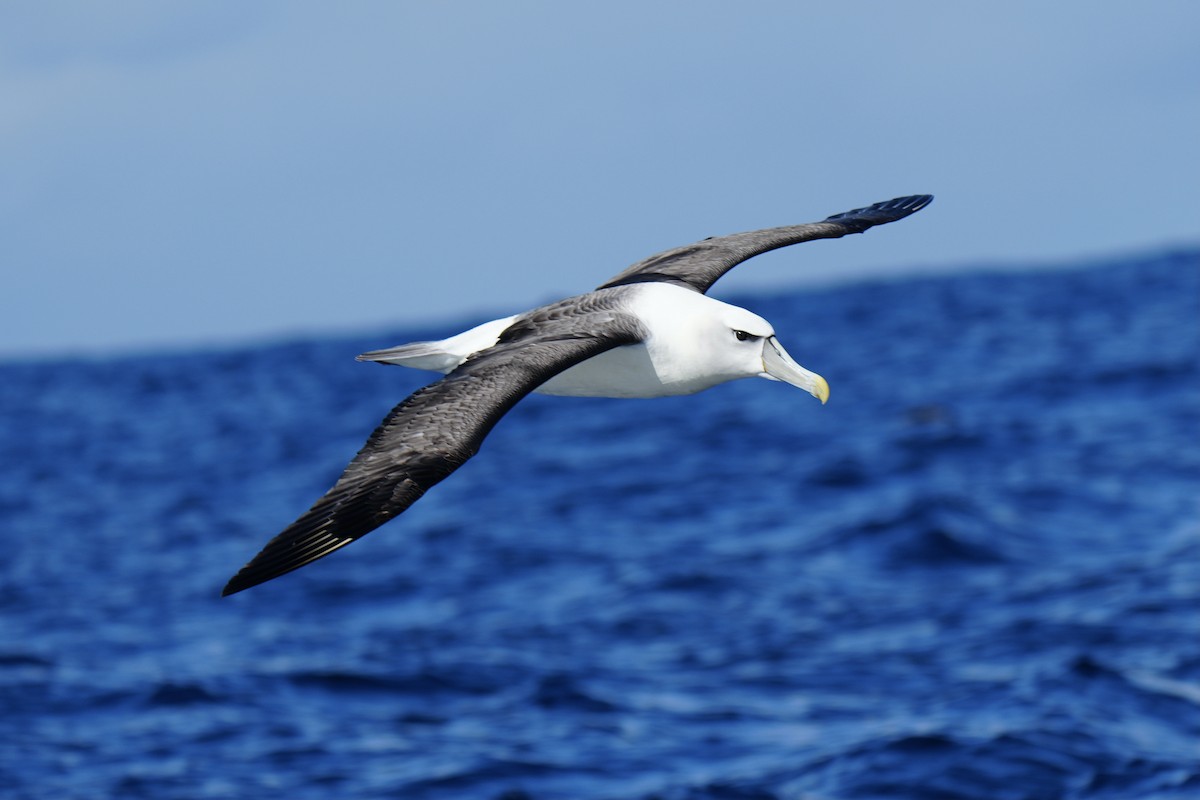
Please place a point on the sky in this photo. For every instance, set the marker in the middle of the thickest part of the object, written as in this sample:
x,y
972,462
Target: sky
x,y
200,174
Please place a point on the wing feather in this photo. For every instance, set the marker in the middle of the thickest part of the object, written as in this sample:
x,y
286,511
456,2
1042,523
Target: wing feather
x,y
438,428
698,266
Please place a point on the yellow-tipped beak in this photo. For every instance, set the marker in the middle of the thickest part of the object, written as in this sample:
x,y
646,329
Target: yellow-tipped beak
x,y
779,366
820,389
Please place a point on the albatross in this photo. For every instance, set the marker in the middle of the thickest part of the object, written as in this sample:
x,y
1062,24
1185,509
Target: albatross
x,y
651,331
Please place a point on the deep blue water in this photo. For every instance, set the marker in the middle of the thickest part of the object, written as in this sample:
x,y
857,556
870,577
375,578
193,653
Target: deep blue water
x,y
974,574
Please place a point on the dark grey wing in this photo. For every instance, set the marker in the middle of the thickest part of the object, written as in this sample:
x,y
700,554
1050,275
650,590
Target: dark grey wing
x,y
439,427
698,266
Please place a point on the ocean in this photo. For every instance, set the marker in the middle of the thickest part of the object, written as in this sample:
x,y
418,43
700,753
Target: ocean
x,y
975,573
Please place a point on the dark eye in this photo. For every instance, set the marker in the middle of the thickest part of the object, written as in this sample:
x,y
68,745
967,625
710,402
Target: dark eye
x,y
742,336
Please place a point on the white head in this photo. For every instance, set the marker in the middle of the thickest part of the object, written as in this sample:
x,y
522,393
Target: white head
x,y
749,342
697,342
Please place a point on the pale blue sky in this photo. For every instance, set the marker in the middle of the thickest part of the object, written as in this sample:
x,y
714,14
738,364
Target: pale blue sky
x,y
202,173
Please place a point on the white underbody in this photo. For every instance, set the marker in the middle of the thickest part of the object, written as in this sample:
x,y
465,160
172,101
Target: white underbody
x,y
685,351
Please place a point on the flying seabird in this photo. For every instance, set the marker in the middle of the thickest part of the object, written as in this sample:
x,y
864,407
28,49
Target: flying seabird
x,y
649,332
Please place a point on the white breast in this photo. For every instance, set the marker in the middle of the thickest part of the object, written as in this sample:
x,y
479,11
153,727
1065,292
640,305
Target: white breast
x,y
621,372
677,357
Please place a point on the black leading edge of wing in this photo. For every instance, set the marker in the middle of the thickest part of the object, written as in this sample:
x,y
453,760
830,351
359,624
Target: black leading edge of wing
x,y
698,266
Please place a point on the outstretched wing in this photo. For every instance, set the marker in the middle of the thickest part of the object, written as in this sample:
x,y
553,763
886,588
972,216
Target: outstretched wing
x,y
439,427
698,266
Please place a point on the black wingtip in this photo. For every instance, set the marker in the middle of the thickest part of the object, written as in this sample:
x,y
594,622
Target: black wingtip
x,y
253,574
909,205
240,582
884,212
232,587
283,554
306,540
